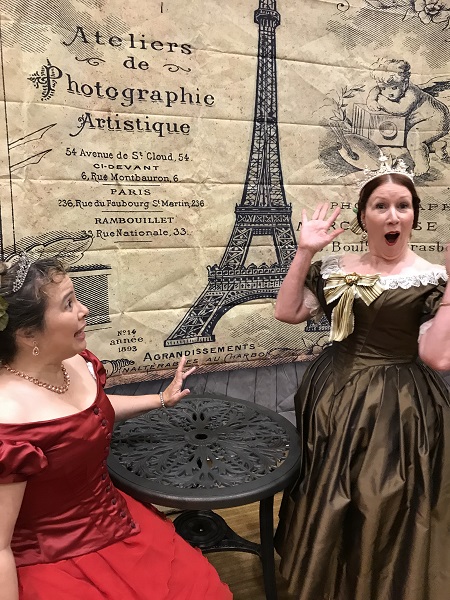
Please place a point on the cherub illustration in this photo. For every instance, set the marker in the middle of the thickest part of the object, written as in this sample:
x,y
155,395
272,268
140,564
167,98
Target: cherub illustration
x,y
427,118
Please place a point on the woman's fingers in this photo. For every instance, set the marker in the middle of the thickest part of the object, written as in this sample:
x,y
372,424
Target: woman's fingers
x,y
304,216
334,216
320,214
181,364
189,372
180,376
335,233
323,211
316,213
317,232
180,369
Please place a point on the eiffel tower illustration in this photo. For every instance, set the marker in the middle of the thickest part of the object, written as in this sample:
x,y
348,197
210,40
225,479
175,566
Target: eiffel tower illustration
x,y
263,209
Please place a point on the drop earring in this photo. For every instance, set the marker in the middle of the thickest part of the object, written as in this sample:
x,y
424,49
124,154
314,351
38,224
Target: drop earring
x,y
35,349
364,236
355,227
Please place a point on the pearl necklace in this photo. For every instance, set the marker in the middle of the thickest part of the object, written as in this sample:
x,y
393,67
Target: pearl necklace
x,y
58,389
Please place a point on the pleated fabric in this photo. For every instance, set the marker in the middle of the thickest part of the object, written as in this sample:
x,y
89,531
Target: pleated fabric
x,y
369,517
155,564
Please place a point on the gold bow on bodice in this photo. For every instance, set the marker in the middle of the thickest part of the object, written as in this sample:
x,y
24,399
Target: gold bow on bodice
x,y
347,288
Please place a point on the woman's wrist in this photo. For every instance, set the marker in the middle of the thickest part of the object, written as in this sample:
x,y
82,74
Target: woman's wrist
x,y
305,252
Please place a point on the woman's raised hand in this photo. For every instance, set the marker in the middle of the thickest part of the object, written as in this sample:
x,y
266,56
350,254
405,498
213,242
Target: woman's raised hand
x,y
175,392
315,233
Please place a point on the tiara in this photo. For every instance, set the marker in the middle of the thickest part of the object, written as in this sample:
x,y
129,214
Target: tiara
x,y
23,266
388,164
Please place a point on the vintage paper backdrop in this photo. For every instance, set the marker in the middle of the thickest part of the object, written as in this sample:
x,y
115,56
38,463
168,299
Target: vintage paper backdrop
x,y
126,135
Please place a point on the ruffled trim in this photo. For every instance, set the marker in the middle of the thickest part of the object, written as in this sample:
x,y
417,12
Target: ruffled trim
x,y
425,327
392,282
331,265
311,302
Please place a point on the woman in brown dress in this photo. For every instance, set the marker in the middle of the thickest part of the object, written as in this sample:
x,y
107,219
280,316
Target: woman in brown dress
x,y
369,517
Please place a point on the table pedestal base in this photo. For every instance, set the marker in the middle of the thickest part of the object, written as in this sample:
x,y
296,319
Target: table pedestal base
x,y
208,531
206,453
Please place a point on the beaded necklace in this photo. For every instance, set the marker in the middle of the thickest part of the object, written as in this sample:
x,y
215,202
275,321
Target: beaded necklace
x,y
58,389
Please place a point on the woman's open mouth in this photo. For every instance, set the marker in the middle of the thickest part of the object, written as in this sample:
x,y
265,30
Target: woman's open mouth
x,y
392,237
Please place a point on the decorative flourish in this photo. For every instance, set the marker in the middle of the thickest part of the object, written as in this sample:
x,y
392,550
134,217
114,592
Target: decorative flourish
x,y
94,61
428,11
34,136
340,103
343,6
46,79
205,445
390,4
432,11
113,367
30,160
69,249
175,68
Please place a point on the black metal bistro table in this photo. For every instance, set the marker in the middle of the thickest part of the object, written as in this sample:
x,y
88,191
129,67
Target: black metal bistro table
x,y
209,452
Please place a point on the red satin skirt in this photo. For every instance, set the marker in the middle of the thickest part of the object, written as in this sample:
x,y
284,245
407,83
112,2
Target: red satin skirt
x,y
155,564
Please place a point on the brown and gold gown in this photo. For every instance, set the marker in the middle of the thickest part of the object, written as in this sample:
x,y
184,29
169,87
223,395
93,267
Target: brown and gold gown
x,y
369,517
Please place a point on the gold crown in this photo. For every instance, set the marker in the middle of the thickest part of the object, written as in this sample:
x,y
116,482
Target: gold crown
x,y
388,164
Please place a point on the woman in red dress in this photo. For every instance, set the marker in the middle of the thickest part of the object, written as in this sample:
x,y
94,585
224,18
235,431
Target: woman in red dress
x,y
66,533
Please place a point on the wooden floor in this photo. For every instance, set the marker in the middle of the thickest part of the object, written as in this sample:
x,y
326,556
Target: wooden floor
x,y
241,571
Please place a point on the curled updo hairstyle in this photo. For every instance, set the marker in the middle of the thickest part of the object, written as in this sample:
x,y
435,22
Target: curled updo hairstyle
x,y
26,306
375,183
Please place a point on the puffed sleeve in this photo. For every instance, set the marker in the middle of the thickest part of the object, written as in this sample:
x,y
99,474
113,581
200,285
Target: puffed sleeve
x,y
312,294
313,277
430,307
432,303
99,369
20,460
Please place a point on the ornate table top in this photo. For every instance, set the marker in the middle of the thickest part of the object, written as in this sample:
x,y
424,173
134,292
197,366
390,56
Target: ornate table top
x,y
207,452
